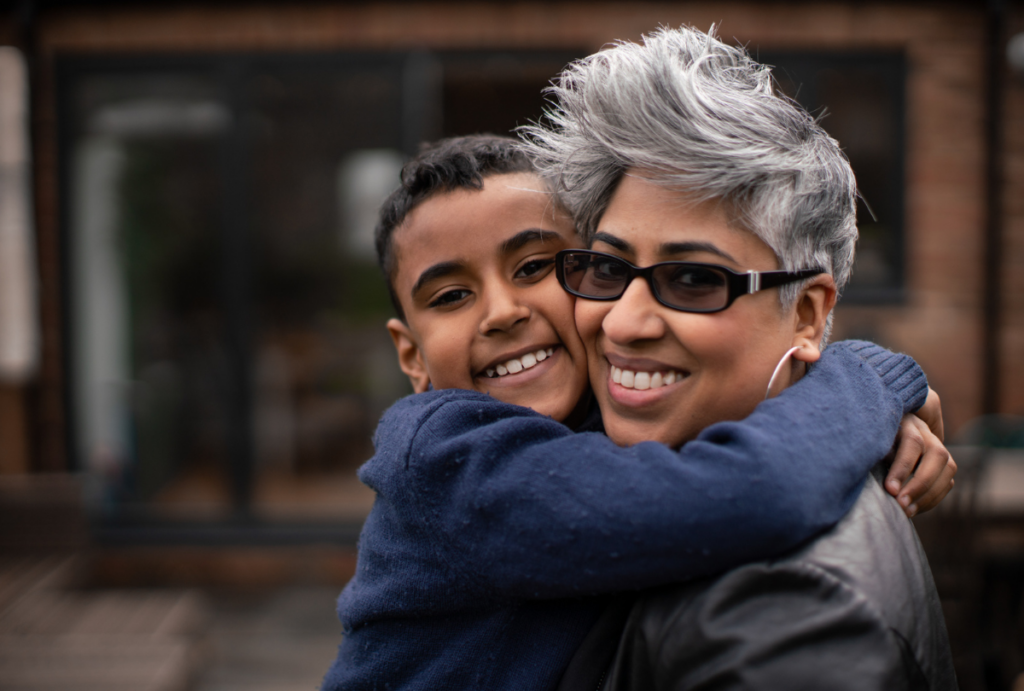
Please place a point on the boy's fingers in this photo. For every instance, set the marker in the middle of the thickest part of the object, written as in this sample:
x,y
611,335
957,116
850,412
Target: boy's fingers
x,y
931,478
936,494
931,413
909,448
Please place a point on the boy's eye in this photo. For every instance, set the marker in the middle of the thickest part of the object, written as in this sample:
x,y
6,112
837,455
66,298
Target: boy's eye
x,y
534,267
449,297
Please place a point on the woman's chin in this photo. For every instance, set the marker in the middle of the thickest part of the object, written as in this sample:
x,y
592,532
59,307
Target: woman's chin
x,y
626,432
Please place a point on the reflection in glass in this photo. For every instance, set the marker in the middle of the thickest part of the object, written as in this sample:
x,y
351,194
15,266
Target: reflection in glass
x,y
146,321
325,155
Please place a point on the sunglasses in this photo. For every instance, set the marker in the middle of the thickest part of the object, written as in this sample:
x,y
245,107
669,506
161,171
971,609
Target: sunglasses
x,y
683,286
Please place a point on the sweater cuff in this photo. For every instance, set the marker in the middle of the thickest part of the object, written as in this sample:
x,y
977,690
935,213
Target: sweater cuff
x,y
899,373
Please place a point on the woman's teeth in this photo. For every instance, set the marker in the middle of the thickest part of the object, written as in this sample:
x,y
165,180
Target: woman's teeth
x,y
518,364
644,380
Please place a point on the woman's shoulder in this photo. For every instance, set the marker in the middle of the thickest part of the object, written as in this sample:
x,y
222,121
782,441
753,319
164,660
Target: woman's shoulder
x,y
862,588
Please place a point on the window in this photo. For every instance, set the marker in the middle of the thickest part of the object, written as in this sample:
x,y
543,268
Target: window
x,y
860,98
228,354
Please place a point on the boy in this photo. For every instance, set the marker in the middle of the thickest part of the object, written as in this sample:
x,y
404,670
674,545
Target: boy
x,y
493,522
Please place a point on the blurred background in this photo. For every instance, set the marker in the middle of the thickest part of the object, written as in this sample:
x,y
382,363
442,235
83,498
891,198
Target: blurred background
x,y
192,350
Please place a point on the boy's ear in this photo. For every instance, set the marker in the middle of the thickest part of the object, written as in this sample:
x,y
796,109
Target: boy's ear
x,y
410,358
813,306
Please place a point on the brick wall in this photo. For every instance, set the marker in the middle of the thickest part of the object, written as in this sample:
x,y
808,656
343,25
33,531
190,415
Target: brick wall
x,y
940,323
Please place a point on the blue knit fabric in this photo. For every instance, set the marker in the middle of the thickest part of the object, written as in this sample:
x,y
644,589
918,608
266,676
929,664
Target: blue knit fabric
x,y
496,530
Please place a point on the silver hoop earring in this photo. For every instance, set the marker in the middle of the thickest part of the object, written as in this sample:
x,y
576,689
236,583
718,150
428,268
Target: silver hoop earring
x,y
778,368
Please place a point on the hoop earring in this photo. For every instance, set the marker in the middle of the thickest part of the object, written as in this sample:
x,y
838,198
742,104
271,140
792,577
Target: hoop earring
x,y
778,368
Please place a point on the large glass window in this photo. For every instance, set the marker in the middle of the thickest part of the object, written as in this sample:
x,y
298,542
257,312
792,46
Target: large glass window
x,y
228,352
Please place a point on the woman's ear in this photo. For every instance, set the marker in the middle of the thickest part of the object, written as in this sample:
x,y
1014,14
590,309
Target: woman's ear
x,y
410,357
815,303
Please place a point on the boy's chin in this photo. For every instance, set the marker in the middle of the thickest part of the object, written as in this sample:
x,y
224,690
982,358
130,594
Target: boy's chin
x,y
558,410
558,406
569,411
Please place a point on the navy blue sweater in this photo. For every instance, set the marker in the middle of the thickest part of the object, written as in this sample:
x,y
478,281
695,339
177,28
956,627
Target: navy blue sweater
x,y
496,529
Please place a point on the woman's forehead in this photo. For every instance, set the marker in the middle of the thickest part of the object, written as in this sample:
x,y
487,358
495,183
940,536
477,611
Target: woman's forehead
x,y
645,219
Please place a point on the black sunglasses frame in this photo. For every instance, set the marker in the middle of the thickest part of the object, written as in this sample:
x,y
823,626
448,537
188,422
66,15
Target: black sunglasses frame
x,y
737,284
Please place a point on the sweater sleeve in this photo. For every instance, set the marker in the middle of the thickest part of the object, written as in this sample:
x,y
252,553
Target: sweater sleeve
x,y
517,505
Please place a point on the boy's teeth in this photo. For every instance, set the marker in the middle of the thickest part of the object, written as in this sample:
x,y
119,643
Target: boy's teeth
x,y
641,381
516,365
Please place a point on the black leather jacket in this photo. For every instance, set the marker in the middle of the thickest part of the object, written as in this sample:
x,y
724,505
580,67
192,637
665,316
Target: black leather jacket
x,y
855,609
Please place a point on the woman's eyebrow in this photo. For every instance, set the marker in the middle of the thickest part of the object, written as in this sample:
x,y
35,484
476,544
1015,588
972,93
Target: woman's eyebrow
x,y
615,242
670,249
525,237
438,270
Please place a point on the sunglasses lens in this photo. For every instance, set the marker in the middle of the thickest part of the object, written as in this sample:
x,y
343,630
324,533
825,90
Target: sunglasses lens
x,y
691,287
682,286
595,276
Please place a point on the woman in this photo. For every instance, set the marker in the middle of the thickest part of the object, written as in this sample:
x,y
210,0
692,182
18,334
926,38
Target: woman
x,y
696,187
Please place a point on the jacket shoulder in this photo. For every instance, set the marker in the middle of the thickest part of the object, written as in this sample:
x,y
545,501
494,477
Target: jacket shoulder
x,y
861,591
875,552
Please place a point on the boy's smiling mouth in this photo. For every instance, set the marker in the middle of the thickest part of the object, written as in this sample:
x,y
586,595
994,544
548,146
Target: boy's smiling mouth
x,y
518,364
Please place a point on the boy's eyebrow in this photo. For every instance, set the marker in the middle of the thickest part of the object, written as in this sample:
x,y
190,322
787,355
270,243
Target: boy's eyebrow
x,y
525,237
436,271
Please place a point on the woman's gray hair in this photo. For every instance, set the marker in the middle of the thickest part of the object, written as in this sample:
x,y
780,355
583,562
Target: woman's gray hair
x,y
696,115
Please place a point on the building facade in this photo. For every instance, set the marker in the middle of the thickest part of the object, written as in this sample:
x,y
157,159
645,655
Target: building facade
x,y
210,323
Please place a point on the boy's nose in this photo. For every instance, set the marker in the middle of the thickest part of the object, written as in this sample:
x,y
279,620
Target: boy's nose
x,y
635,316
503,312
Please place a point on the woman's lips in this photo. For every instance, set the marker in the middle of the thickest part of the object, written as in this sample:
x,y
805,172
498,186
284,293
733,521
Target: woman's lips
x,y
642,380
640,383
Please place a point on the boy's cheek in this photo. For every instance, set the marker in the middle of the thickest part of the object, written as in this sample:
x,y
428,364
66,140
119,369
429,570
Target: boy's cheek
x,y
588,317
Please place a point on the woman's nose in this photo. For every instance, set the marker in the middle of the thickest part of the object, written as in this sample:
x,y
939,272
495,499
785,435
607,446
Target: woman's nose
x,y
503,311
634,316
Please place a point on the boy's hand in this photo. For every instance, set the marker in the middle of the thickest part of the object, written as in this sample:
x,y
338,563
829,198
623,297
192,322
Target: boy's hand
x,y
922,471
931,413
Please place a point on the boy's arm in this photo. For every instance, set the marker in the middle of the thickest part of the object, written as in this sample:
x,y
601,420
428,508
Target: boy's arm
x,y
515,504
